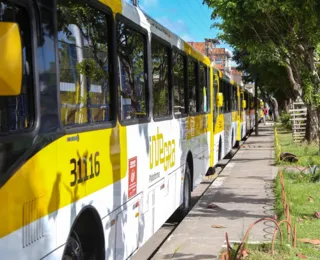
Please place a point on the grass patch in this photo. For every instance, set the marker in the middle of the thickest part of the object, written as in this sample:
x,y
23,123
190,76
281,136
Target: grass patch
x,y
306,153
298,189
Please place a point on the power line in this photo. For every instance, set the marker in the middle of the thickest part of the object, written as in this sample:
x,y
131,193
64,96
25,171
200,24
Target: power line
x,y
201,7
189,15
192,8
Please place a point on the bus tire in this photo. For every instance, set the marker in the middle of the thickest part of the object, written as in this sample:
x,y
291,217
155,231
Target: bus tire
x,y
184,208
232,139
73,249
219,150
86,237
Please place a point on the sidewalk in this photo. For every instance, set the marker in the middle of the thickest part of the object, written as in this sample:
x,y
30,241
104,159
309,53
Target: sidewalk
x,y
243,194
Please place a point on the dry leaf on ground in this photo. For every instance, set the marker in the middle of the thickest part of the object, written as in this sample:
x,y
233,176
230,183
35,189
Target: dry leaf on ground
x,y
299,220
245,253
212,206
301,256
310,199
308,218
317,214
224,256
311,241
217,226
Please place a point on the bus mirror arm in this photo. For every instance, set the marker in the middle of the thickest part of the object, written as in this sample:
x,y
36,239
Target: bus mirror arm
x,y
219,100
244,104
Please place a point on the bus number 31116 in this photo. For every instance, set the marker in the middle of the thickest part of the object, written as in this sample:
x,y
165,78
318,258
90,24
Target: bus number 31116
x,y
94,169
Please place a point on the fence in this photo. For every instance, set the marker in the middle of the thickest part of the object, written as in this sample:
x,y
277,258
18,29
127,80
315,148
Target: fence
x,y
291,231
299,118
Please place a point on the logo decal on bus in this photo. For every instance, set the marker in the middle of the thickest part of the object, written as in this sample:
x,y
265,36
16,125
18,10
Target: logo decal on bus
x,y
161,152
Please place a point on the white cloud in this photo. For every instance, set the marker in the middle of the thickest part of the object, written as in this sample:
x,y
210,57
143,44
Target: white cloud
x,y
187,38
178,27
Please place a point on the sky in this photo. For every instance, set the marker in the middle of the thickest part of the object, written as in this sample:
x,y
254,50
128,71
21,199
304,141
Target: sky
x,y
189,19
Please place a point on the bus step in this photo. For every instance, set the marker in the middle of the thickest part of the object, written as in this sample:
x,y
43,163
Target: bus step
x,y
223,163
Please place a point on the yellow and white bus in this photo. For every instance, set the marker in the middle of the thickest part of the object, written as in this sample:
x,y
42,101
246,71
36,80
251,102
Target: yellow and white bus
x,y
107,123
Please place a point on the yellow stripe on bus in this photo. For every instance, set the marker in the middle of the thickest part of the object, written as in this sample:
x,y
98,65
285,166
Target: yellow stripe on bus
x,y
115,5
195,54
211,119
197,125
44,183
219,124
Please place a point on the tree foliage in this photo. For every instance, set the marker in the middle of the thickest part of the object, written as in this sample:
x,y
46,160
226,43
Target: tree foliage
x,y
284,33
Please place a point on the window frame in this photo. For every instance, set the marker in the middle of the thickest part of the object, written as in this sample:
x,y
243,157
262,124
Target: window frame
x,y
185,72
190,58
144,33
34,37
222,109
90,126
207,77
160,40
215,109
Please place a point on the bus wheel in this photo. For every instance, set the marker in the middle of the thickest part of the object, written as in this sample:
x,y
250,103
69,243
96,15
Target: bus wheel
x,y
232,138
73,250
184,208
187,191
219,152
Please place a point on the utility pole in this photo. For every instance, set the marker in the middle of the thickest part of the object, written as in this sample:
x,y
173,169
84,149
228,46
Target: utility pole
x,y
211,41
256,106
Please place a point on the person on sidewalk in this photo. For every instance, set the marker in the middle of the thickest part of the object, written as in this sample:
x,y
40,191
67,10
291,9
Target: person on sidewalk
x,y
270,114
265,113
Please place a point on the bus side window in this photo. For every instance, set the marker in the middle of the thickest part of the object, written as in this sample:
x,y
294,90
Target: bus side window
x,y
235,98
179,83
222,90
84,63
192,86
131,48
160,79
214,105
17,113
203,89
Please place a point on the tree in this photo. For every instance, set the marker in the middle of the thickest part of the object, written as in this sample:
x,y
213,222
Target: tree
x,y
284,32
274,85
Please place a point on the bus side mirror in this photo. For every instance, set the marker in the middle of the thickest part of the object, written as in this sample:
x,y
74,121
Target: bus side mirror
x,y
244,104
10,60
219,100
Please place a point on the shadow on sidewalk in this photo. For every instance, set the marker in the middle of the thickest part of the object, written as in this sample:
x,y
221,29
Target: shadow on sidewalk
x,y
188,256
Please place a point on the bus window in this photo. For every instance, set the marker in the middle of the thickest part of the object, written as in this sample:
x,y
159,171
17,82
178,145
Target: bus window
x,y
222,90
215,92
84,63
230,100
160,79
235,98
179,83
192,66
203,90
131,48
17,112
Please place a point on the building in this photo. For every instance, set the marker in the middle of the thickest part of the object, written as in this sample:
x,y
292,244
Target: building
x,y
219,57
236,75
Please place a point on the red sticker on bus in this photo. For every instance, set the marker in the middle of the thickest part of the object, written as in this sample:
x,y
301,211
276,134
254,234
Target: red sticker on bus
x,y
132,178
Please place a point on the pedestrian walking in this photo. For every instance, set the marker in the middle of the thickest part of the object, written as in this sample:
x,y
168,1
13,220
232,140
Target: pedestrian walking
x,y
271,114
265,113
